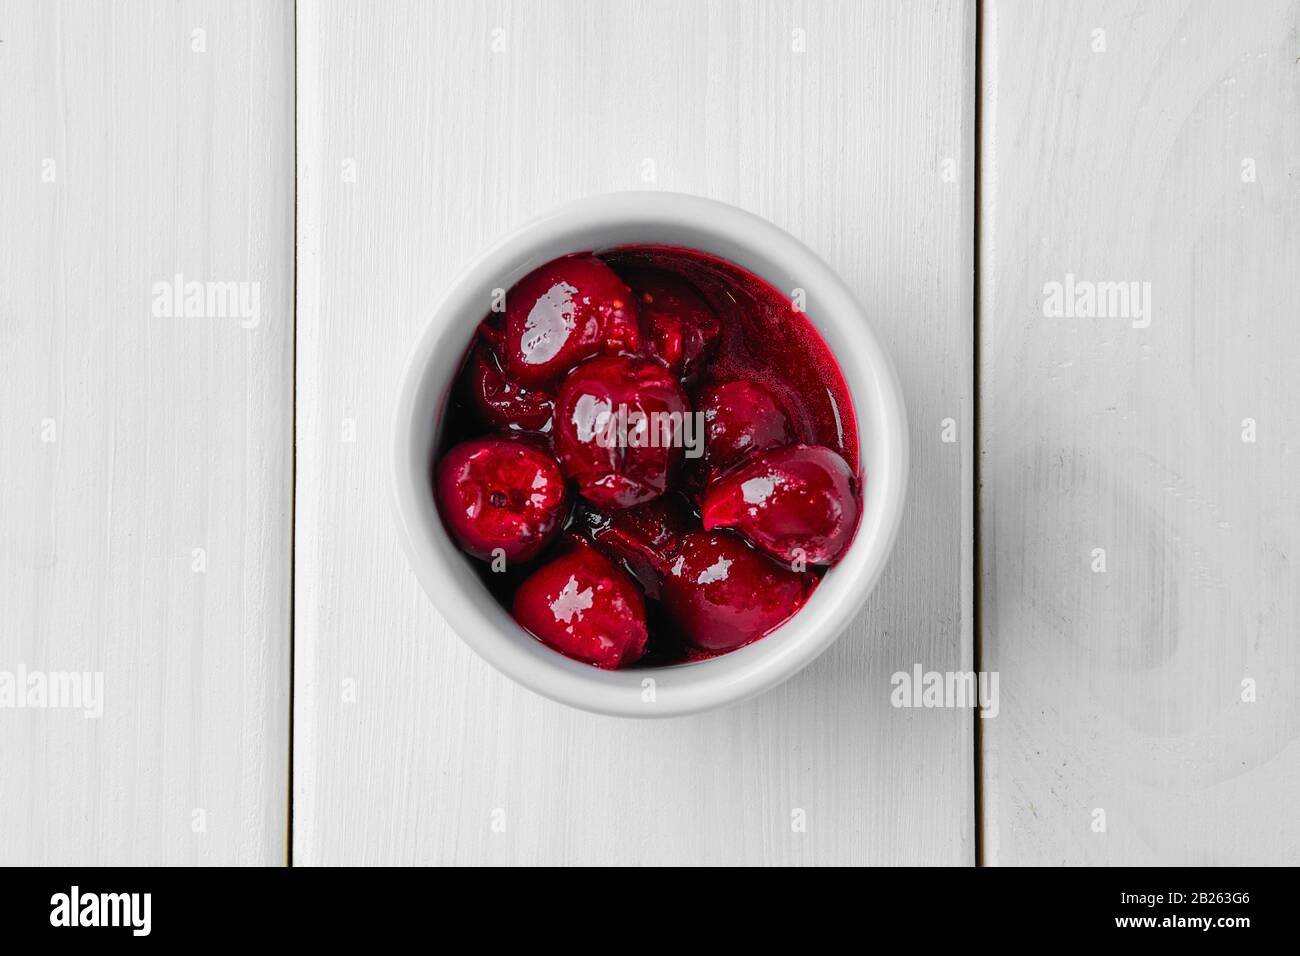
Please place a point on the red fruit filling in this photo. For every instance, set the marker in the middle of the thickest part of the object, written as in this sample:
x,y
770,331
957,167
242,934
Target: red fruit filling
x,y
583,385
503,403
642,539
585,608
677,325
619,429
797,503
501,497
739,418
724,594
566,311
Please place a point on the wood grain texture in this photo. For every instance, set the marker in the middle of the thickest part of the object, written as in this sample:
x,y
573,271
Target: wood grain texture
x,y
452,145
1122,690
128,440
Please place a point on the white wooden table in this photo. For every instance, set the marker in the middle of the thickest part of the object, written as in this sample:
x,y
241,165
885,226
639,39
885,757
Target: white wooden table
x,y
1157,143
195,506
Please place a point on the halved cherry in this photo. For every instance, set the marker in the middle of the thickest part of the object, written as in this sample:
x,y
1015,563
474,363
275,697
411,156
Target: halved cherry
x,y
501,495
619,429
584,607
797,503
563,312
504,403
723,594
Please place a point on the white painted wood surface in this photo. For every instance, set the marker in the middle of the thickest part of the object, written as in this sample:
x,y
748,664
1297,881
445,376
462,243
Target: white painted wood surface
x,y
128,440
1171,156
453,144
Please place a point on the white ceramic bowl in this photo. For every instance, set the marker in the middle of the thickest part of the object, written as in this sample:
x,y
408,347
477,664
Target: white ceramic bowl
x,y
599,223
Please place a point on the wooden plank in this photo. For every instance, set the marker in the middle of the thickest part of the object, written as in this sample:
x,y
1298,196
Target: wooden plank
x,y
419,144
137,149
1154,143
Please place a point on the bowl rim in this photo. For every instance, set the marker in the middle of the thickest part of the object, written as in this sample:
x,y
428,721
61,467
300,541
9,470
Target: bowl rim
x,y
446,576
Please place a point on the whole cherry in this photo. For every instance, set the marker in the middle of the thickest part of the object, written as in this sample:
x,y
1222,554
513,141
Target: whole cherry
x,y
619,429
501,497
797,503
740,417
677,325
584,607
563,312
501,402
723,594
